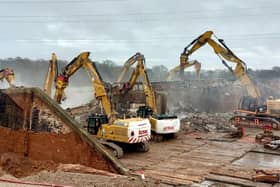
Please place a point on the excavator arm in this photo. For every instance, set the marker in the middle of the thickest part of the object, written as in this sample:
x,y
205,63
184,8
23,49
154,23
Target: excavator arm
x,y
184,65
83,61
224,53
51,74
9,75
148,90
132,60
139,71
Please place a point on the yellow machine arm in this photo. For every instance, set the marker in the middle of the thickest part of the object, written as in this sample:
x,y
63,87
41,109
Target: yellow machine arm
x,y
51,74
183,66
138,56
138,71
9,75
223,52
83,61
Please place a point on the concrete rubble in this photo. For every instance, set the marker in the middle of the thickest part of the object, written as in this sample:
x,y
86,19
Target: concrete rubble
x,y
206,122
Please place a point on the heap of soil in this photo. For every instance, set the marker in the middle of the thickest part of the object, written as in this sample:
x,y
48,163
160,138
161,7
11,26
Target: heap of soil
x,y
20,166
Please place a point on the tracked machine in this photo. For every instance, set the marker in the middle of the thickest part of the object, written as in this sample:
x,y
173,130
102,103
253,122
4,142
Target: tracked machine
x,y
113,132
253,111
162,125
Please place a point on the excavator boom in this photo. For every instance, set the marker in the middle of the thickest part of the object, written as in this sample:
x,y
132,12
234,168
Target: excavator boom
x,y
83,61
224,53
184,65
51,74
139,71
138,56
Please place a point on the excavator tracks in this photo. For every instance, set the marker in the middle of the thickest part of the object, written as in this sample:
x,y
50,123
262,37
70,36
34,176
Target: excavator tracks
x,y
143,147
157,137
116,150
256,121
163,137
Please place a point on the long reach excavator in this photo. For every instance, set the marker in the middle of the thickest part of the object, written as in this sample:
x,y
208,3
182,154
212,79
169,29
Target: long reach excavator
x,y
163,125
252,110
113,132
9,75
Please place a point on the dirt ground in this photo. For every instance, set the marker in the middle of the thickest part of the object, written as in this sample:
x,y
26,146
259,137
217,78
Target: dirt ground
x,y
60,178
197,158
20,166
59,148
193,159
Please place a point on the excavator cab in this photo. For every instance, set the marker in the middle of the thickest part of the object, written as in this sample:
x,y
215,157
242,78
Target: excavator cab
x,y
164,126
251,104
95,121
144,111
248,103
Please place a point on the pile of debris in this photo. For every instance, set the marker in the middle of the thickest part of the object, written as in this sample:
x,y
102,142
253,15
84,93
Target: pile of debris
x,y
20,166
206,122
81,113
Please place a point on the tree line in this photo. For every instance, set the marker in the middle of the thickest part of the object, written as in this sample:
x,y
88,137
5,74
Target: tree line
x,y
32,72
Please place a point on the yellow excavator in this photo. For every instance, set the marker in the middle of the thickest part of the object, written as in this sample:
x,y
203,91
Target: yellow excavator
x,y
251,109
9,75
138,71
163,125
113,132
182,66
51,75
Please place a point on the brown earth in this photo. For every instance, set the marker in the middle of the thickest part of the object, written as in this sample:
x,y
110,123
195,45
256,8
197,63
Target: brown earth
x,y
43,147
47,133
20,166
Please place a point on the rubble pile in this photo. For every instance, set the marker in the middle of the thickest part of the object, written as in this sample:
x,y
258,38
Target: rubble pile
x,y
81,113
206,122
20,166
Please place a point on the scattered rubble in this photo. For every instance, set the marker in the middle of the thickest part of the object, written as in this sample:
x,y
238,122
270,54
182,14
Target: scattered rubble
x,y
266,175
206,122
81,180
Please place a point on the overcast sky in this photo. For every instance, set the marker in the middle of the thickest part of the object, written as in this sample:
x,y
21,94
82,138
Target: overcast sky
x,y
160,29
